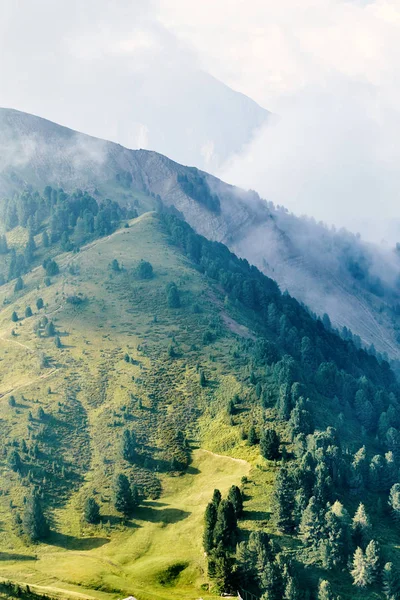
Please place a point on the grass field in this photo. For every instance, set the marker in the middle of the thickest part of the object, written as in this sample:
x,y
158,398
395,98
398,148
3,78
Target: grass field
x,y
90,393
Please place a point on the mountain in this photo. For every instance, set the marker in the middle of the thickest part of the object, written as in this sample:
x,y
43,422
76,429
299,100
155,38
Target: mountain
x,y
332,272
137,353
184,113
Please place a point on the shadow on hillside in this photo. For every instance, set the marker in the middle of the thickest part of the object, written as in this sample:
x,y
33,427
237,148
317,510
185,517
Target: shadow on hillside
x,y
164,515
256,515
13,556
73,543
192,470
154,503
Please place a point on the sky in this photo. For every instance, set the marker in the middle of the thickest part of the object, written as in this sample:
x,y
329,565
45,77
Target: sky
x,y
329,70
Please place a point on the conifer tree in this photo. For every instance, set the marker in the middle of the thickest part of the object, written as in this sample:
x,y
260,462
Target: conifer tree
x,y
91,511
173,299
123,500
325,591
311,524
220,567
235,497
28,312
391,582
372,559
336,538
269,444
39,303
19,284
394,501
14,461
210,518
283,404
34,522
360,572
14,317
50,330
361,527
216,498
128,446
284,501
202,379
252,436
225,530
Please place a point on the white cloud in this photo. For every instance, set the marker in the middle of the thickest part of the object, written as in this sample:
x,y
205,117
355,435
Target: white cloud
x,y
329,68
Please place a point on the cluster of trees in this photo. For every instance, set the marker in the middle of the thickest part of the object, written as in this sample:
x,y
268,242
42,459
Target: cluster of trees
x,y
67,219
33,525
125,495
297,364
263,567
221,535
195,185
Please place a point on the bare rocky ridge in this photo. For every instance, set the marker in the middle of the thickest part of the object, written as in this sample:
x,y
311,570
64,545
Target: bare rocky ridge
x,y
316,265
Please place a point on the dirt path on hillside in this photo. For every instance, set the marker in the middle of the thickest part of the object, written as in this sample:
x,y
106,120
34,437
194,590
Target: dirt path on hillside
x,y
11,341
237,460
28,383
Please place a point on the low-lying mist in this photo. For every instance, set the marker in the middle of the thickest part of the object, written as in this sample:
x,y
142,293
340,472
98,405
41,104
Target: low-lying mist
x,y
333,154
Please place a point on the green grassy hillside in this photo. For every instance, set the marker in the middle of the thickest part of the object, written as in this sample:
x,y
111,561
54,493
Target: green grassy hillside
x,y
196,359
89,393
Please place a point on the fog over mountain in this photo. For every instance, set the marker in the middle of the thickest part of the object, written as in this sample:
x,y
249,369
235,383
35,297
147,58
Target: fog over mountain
x,y
117,73
155,75
333,272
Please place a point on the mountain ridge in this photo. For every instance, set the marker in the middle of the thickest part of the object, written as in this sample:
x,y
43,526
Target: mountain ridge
x,y
278,243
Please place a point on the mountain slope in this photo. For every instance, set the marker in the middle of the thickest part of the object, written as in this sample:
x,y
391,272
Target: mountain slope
x,y
331,272
196,359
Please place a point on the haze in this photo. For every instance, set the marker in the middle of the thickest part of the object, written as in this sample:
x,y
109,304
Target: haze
x,y
140,73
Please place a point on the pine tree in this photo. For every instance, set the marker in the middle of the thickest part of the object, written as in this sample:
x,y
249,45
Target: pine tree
x,y
325,591
115,266
34,522
372,559
57,341
361,573
39,303
145,270
284,501
128,446
202,379
91,511
311,524
14,317
283,404
252,436
235,497
225,530
269,444
50,330
14,461
216,498
173,299
19,284
361,527
135,495
28,312
210,518
123,500
220,567
394,501
391,582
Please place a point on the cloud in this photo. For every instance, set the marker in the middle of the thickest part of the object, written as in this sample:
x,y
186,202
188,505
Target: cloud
x,y
329,68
